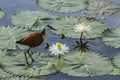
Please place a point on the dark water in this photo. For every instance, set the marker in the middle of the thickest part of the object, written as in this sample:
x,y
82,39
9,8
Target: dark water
x,y
12,6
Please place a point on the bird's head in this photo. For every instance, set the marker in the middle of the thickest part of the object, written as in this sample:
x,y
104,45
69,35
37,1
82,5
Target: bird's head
x,y
47,28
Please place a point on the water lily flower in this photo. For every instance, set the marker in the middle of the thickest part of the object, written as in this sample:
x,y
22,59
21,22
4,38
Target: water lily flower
x,y
81,27
58,49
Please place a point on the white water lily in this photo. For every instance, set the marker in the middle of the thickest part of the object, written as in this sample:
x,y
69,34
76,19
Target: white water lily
x,y
81,27
58,49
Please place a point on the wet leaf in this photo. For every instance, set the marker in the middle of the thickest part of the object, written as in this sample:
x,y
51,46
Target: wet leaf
x,y
102,8
34,20
2,14
116,63
63,5
9,35
85,64
19,78
112,37
65,25
16,64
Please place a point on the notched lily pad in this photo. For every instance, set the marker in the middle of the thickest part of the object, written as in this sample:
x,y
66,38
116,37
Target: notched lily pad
x,y
65,25
112,37
34,20
63,5
19,78
116,63
9,35
16,64
2,14
102,8
85,64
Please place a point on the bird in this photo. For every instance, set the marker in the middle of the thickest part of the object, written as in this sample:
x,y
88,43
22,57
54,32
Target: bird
x,y
34,39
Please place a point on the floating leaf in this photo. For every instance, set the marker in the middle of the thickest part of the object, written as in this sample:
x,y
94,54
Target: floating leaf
x,y
85,64
9,35
115,71
16,64
63,5
65,25
116,63
116,60
32,19
19,78
102,8
3,74
112,37
2,14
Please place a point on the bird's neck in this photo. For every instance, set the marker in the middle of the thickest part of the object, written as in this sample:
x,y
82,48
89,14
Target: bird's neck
x,y
45,33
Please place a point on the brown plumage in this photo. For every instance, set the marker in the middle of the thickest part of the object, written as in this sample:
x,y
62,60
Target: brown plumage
x,y
34,39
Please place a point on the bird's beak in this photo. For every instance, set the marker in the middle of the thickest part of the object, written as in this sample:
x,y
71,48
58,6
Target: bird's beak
x,y
53,29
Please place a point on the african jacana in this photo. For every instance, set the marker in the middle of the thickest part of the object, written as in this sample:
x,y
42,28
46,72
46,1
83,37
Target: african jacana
x,y
34,39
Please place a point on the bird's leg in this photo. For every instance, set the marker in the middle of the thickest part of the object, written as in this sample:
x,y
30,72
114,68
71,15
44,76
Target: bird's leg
x,y
30,56
26,58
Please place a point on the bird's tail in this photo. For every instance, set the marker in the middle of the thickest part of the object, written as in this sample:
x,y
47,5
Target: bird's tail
x,y
19,42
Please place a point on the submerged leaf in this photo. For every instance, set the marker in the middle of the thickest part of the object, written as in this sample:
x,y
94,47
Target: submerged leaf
x,y
65,25
34,20
102,8
2,14
112,37
16,64
9,35
85,64
63,5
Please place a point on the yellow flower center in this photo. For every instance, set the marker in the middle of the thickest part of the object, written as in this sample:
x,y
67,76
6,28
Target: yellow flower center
x,y
83,24
58,45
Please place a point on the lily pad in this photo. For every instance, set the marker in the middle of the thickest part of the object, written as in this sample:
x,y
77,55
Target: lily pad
x,y
3,74
115,72
2,14
116,63
20,78
116,60
16,64
32,19
112,37
102,8
63,5
65,25
85,64
9,35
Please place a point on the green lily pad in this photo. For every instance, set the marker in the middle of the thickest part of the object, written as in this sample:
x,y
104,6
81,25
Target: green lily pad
x,y
112,37
85,64
9,35
116,60
3,74
102,8
32,19
116,63
63,5
115,72
2,14
65,25
16,64
20,78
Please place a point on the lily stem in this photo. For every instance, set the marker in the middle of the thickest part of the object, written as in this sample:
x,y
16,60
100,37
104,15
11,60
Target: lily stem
x,y
81,37
59,56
